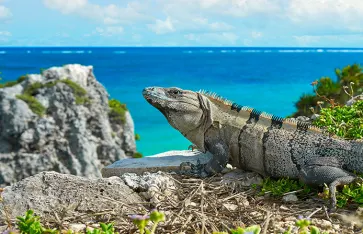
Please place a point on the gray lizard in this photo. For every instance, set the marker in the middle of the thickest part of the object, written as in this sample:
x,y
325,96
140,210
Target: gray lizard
x,y
257,141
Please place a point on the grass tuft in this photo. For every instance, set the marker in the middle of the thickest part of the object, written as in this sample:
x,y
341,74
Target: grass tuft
x,y
137,155
33,104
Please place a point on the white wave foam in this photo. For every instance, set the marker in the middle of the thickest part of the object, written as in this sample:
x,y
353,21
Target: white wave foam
x,y
187,51
63,51
344,51
250,51
228,51
2,52
119,52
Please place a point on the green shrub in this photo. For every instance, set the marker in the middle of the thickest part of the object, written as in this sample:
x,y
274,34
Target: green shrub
x,y
137,137
343,121
137,155
33,104
30,224
117,111
348,81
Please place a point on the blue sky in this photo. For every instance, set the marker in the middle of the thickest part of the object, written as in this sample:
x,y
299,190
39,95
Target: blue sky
x,y
294,23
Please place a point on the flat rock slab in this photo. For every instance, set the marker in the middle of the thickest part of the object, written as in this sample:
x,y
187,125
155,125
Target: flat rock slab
x,y
48,193
167,161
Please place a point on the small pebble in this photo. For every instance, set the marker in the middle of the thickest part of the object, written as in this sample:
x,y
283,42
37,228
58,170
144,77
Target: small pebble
x,y
77,227
290,198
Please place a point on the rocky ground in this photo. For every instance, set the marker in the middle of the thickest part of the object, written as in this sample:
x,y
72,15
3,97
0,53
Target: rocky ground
x,y
60,120
190,205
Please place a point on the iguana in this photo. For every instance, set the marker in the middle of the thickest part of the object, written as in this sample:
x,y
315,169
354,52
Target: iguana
x,y
257,141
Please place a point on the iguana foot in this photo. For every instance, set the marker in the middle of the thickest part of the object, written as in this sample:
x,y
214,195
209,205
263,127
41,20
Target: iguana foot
x,y
192,147
326,170
188,168
333,187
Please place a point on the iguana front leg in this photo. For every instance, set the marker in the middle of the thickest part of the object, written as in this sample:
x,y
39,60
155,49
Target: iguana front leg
x,y
326,170
216,146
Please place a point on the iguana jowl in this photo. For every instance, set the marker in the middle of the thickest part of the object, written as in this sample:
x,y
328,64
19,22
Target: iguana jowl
x,y
257,141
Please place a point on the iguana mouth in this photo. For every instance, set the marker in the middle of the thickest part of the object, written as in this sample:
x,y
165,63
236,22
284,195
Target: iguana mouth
x,y
154,96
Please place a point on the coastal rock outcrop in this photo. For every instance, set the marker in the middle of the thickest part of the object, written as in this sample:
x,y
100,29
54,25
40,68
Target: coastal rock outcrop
x,y
61,120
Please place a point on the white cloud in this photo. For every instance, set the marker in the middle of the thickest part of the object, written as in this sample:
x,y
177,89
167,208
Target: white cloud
x,y
65,6
328,14
328,40
256,35
5,34
224,38
106,31
5,12
107,14
161,27
222,22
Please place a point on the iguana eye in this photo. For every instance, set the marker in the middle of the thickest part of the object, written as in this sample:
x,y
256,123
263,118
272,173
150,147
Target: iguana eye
x,y
176,92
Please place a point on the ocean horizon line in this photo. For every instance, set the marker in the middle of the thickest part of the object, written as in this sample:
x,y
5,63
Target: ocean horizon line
x,y
239,47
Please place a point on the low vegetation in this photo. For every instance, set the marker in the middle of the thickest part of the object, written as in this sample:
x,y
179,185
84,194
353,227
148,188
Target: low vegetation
x,y
137,155
146,224
281,186
117,111
12,83
343,121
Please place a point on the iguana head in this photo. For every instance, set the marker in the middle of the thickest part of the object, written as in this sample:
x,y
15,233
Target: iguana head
x,y
187,111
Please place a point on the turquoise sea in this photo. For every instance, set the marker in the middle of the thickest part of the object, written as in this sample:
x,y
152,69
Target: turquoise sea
x,y
269,79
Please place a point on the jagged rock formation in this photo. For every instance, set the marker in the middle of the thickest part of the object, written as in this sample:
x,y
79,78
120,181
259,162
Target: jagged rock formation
x,y
60,121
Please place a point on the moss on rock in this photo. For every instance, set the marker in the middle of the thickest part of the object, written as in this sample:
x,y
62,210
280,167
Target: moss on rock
x,y
117,111
13,82
137,155
79,93
33,104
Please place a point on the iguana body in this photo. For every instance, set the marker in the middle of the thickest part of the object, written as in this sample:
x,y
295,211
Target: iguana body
x,y
255,141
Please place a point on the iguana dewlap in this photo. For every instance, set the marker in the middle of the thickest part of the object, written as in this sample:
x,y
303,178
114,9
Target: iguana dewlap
x,y
257,141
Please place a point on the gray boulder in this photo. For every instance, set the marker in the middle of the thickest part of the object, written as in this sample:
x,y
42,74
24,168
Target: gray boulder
x,y
75,135
50,193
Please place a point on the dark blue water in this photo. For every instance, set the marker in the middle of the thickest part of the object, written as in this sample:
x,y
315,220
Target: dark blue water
x,y
270,79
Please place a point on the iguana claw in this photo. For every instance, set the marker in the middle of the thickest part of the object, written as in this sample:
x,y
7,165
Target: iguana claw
x,y
192,147
188,168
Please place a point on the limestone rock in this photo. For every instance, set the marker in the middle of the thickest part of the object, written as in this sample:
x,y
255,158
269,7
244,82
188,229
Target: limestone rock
x,y
49,192
74,135
238,179
167,161
290,198
154,187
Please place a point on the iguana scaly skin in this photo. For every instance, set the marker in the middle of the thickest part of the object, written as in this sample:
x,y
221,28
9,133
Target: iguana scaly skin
x,y
257,141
